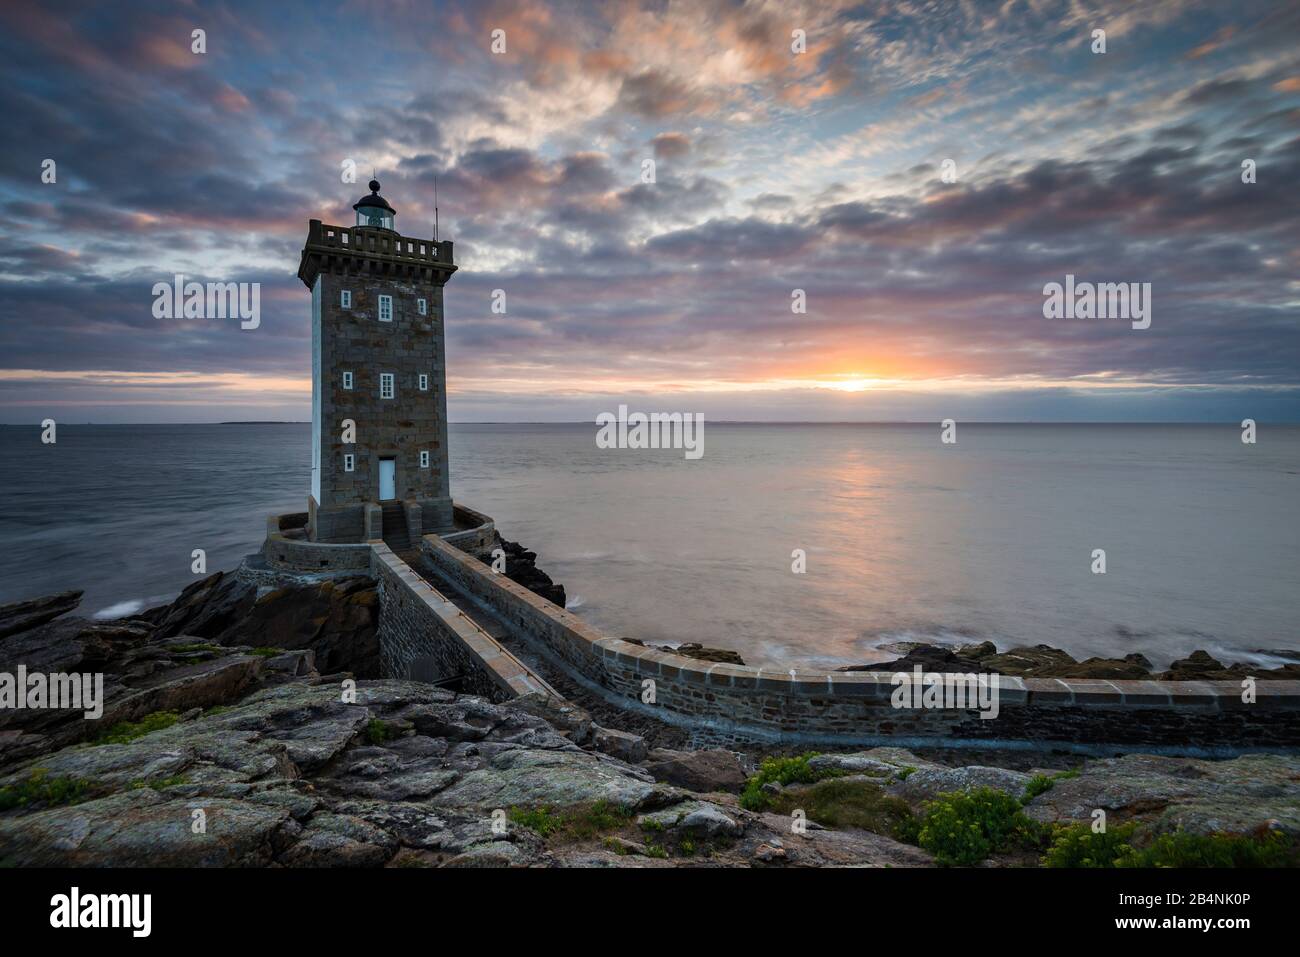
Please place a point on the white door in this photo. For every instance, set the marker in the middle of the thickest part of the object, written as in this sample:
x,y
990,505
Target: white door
x,y
387,479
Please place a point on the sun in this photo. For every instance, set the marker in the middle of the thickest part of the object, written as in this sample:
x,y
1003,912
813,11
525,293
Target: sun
x,y
856,384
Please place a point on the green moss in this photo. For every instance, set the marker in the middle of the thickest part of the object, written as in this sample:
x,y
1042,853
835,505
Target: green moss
x,y
124,732
267,652
40,788
836,802
784,771
1042,783
539,819
159,783
906,772
377,731
963,828
587,821
580,822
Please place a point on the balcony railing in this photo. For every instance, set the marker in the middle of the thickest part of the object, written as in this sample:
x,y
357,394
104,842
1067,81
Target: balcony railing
x,y
363,239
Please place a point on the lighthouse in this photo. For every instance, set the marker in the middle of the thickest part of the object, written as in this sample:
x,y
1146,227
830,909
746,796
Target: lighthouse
x,y
378,391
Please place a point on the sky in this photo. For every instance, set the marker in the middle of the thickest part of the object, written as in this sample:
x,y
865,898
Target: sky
x,y
778,165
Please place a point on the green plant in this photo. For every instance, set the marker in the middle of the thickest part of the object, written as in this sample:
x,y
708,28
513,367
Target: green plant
x,y
590,820
1078,846
962,828
1180,849
539,819
1042,783
267,652
198,646
159,784
377,731
836,802
783,771
655,850
906,772
124,732
40,788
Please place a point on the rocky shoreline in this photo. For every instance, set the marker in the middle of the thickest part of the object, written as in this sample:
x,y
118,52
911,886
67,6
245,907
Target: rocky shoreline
x,y
260,709
1044,661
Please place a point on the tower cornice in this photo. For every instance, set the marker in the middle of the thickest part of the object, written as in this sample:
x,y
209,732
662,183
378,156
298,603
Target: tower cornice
x,y
366,250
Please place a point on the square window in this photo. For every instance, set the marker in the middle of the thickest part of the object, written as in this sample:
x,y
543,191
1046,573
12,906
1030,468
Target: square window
x,y
345,299
424,383
349,462
424,460
386,389
385,308
422,305
347,380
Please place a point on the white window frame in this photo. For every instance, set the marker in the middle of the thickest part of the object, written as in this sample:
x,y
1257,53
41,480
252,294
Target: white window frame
x,y
385,301
345,298
424,382
347,381
422,305
387,385
424,458
349,462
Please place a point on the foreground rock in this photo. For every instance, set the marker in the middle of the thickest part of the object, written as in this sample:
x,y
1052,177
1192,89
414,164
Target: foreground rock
x,y
22,615
405,775
141,675
703,771
1243,795
336,619
250,756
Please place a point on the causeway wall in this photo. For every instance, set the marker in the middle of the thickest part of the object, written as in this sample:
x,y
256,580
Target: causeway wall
x,y
743,703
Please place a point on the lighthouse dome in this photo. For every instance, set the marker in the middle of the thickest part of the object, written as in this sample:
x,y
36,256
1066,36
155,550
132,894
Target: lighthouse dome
x,y
374,210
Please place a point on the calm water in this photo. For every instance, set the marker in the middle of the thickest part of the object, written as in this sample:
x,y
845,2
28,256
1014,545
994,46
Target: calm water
x,y
905,538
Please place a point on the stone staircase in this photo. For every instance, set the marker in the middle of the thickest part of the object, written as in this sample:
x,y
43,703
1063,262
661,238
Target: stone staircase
x,y
396,536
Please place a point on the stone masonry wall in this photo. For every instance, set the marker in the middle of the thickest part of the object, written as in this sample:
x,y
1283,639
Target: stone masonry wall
x,y
416,623
739,702
366,264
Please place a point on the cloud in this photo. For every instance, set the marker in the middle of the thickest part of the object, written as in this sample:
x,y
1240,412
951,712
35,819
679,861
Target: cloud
x,y
818,171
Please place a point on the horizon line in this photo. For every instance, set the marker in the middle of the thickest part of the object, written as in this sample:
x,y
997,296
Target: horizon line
x,y
1226,422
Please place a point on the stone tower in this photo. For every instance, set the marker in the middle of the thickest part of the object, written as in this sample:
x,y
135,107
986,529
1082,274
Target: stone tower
x,y
378,360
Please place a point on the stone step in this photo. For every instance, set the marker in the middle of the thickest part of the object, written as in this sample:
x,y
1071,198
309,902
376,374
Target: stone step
x,y
395,532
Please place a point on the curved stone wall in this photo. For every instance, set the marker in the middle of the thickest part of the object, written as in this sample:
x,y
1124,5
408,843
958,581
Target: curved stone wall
x,y
287,548
293,554
741,702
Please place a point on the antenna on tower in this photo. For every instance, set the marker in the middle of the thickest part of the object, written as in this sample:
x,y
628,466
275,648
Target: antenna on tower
x,y
435,209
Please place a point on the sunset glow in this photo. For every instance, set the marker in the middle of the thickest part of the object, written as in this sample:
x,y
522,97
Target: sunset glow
x,y
912,193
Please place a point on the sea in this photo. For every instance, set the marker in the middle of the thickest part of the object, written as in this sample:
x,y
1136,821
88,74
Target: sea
x,y
804,545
